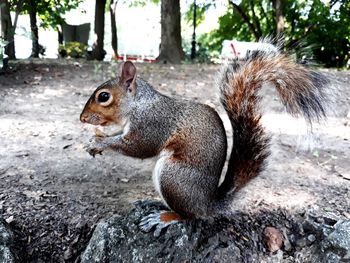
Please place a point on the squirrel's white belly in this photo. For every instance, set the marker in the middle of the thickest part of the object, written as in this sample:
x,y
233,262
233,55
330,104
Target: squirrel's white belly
x,y
157,171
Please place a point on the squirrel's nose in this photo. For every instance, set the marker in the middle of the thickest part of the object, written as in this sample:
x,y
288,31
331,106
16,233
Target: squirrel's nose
x,y
83,117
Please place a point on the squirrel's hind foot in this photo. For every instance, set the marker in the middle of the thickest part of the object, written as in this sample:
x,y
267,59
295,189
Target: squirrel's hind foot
x,y
159,220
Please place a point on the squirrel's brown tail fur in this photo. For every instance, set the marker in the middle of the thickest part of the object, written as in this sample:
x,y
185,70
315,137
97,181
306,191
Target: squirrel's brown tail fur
x,y
301,90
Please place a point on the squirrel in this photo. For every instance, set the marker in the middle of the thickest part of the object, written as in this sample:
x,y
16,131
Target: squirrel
x,y
189,138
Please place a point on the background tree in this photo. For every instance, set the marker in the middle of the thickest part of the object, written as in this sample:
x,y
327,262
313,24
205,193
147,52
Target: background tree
x,y
328,32
98,51
7,28
277,4
171,45
322,26
50,13
252,22
32,4
112,11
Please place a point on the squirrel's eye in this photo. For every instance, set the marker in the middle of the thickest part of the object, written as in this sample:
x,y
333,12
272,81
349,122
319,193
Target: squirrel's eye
x,y
103,97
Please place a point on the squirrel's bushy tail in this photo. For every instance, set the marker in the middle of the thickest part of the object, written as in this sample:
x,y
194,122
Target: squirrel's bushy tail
x,y
301,90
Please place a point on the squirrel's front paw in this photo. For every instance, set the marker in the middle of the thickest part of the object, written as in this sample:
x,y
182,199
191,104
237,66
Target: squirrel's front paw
x,y
94,151
95,148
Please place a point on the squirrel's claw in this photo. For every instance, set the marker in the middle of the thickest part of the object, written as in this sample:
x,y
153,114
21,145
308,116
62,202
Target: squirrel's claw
x,y
95,147
94,151
154,220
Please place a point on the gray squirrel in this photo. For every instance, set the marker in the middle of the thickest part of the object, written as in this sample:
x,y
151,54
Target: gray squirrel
x,y
190,138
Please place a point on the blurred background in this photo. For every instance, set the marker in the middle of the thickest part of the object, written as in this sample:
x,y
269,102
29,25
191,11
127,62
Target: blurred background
x,y
172,31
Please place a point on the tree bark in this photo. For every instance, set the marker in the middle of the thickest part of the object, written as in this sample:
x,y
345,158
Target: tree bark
x,y
171,47
255,18
267,18
279,16
34,29
59,29
98,51
246,19
112,10
7,30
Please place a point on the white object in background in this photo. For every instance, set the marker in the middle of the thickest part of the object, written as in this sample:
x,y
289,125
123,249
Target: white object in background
x,y
232,49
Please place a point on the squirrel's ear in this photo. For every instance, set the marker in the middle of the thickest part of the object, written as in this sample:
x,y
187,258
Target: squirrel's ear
x,y
128,76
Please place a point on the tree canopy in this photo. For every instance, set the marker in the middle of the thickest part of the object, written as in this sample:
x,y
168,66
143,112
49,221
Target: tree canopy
x,y
322,25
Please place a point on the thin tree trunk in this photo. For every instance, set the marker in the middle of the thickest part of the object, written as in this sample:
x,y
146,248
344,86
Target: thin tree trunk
x,y
7,30
60,34
246,19
112,11
98,51
171,47
279,16
267,18
18,10
255,18
34,29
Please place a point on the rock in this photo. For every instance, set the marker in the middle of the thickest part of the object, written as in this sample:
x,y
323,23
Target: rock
x,y
306,241
337,243
227,255
331,257
119,239
6,243
286,242
238,239
302,242
311,239
276,258
331,239
310,254
273,239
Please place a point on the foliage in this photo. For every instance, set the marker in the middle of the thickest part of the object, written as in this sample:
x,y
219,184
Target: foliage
x,y
143,2
109,3
201,8
72,50
202,53
323,26
3,43
50,12
328,33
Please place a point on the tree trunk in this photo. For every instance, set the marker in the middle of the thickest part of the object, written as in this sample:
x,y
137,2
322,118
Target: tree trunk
x,y
255,18
34,29
170,48
98,51
269,23
279,16
7,30
59,34
112,10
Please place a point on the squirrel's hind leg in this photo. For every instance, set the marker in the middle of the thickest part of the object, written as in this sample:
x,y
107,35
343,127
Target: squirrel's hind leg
x,y
186,190
162,219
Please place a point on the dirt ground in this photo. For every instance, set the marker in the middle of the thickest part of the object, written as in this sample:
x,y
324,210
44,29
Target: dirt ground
x,y
54,193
